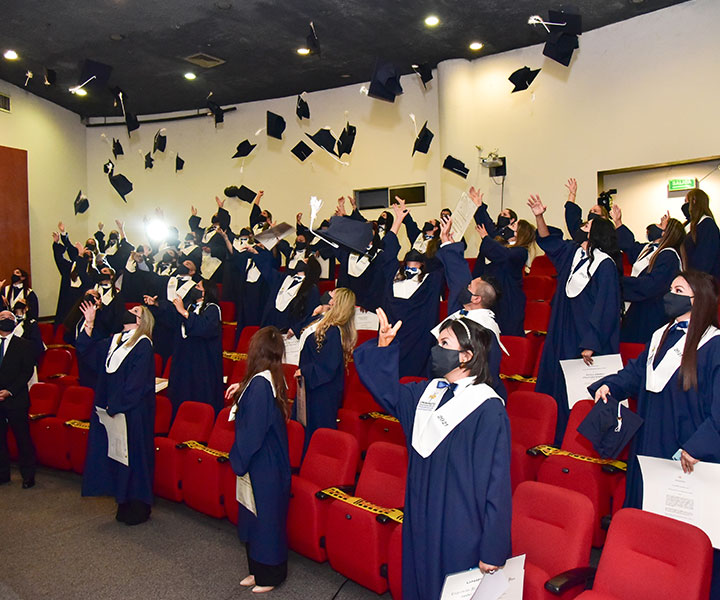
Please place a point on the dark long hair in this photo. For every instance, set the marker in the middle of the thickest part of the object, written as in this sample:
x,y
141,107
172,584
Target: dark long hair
x,y
26,281
672,237
603,237
211,294
265,353
312,276
699,207
478,343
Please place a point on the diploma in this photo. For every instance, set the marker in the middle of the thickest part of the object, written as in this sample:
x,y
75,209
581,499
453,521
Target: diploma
x,y
578,375
462,216
244,493
292,350
116,428
160,384
504,584
462,585
365,320
301,402
689,497
270,237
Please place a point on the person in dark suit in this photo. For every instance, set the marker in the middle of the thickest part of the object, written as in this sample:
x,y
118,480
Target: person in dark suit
x,y
17,364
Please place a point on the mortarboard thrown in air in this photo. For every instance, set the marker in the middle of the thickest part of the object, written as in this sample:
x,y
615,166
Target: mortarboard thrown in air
x,y
275,125
242,193
313,44
325,139
385,82
346,140
456,166
81,203
123,186
610,426
179,163
522,78
117,148
562,41
131,121
243,149
94,74
356,235
423,139
302,150
302,108
149,160
424,70
159,141
216,110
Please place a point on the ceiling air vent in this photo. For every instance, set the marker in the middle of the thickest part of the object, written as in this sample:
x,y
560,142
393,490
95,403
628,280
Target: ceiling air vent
x,y
206,61
4,103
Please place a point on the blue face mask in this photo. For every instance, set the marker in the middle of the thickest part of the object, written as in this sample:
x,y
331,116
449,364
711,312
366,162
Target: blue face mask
x,y
411,271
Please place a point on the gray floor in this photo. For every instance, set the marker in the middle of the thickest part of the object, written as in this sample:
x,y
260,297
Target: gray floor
x,y
57,545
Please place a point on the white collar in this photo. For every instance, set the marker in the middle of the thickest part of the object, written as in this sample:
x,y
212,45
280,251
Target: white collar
x,y
578,279
264,374
286,294
405,288
117,354
482,316
357,264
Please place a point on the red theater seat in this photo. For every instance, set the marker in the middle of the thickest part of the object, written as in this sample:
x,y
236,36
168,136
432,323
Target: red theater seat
x,y
55,364
542,265
539,288
537,316
395,563
163,415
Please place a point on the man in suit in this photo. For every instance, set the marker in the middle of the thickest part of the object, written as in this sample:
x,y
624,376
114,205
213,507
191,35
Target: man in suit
x,y
17,363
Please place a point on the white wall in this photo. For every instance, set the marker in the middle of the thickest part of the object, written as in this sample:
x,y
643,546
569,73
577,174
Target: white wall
x,y
55,142
637,93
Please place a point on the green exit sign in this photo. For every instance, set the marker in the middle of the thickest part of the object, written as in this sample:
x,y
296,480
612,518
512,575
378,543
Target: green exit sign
x,y
681,184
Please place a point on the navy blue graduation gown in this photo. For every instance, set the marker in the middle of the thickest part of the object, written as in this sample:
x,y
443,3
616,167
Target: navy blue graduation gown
x,y
703,254
368,287
573,218
129,390
628,244
323,369
250,297
261,449
457,275
590,321
67,295
105,325
458,502
419,312
196,370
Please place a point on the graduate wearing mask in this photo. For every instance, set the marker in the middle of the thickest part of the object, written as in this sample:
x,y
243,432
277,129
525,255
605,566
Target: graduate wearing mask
x,y
28,329
702,244
19,290
196,369
454,518
260,450
573,213
327,344
189,250
210,236
585,317
167,264
260,219
426,241
323,252
126,384
411,294
676,381
117,249
655,265
73,282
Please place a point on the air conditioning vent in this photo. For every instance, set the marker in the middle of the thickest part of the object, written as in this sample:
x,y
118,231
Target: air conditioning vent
x,y
206,61
4,103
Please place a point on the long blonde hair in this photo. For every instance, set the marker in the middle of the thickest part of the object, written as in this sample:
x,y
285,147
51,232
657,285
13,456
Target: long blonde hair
x,y
341,314
145,327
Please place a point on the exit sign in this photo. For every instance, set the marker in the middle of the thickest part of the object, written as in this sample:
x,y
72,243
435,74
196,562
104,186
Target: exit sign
x,y
681,184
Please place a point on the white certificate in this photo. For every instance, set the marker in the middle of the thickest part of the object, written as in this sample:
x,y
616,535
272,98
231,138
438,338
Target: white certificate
x,y
691,497
366,320
270,237
116,428
462,216
578,375
160,384
301,402
292,350
244,493
504,584
462,585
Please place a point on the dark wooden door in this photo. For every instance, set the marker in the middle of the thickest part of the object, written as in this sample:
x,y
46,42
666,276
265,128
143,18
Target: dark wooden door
x,y
14,213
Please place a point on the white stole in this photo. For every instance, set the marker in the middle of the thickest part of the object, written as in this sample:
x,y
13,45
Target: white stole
x,y
286,294
307,332
19,329
106,296
656,378
432,424
77,282
209,265
116,355
405,288
16,299
173,291
189,249
643,260
420,244
482,316
111,249
208,235
357,264
264,374
164,269
579,279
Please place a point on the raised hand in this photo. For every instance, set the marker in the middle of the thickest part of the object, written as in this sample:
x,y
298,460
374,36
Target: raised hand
x,y
476,197
61,227
536,205
56,237
258,197
352,202
386,332
100,225
481,230
341,207
220,203
150,300
179,306
88,309
664,220
79,247
446,231
193,211
616,214
298,217
571,185
120,224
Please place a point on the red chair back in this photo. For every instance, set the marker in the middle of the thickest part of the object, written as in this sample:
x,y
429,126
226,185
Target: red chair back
x,y
471,263
630,351
533,417
325,285
239,369
228,337
356,396
227,311
193,421
290,380
537,316
331,458
245,337
158,365
44,399
47,331
382,479
572,440
59,337
56,361
166,370
539,287
77,403
521,357
542,265
163,414
363,335
442,310
296,441
222,435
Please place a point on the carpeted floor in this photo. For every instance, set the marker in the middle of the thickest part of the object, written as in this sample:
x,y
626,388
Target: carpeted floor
x,y
58,545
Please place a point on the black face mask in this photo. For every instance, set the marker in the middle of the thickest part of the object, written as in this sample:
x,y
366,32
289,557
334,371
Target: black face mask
x,y
194,296
90,247
168,258
465,296
507,234
580,236
325,298
676,305
592,216
182,270
113,238
300,246
89,298
654,233
7,325
427,228
15,278
502,222
443,360
685,208
381,222
129,318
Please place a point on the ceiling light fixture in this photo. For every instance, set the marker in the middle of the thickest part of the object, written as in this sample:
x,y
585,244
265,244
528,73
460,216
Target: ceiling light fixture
x,y
11,55
476,46
116,37
79,92
303,51
190,76
432,21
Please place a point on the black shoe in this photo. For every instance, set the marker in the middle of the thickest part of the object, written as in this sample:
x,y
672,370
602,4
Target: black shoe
x,y
137,512
28,483
121,515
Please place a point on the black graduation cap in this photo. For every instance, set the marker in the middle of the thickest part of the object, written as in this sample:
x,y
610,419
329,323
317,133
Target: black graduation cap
x,y
81,203
346,140
425,72
414,256
562,40
302,108
522,78
302,150
608,433
160,141
243,149
423,139
456,166
245,194
117,148
123,186
99,70
350,233
131,121
121,100
179,163
216,111
149,160
275,125
385,82
325,139
312,42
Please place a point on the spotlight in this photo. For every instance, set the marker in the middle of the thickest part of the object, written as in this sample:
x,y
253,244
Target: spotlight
x,y
476,46
432,21
190,76
78,91
11,55
157,230
303,51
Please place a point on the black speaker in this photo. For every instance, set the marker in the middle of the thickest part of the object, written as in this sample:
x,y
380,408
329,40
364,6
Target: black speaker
x,y
500,171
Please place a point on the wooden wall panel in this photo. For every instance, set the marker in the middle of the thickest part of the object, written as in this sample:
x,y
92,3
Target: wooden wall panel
x,y
14,212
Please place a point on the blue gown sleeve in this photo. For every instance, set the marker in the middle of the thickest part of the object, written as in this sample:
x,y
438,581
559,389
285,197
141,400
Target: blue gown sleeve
x,y
91,350
703,253
482,217
704,444
627,382
557,249
387,259
457,272
165,313
573,218
62,263
355,215
652,284
252,422
411,228
239,261
605,314
255,216
320,366
206,324
265,263
135,387
497,253
627,243
71,250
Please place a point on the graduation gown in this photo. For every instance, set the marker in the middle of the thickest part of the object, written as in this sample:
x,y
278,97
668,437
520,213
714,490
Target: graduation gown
x,y
418,312
589,321
458,499
250,296
105,325
129,390
14,294
323,370
703,253
196,369
261,449
70,290
368,287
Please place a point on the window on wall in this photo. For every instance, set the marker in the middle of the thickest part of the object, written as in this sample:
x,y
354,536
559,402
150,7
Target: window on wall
x,y
384,196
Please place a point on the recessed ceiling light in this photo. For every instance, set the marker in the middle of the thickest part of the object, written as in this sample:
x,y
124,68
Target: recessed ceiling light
x,y
80,92
303,51
190,76
224,5
476,46
11,55
432,21
117,37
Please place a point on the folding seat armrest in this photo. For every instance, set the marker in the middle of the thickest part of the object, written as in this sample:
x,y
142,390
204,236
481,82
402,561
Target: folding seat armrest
x,y
348,489
611,469
534,451
568,579
39,416
181,446
56,376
